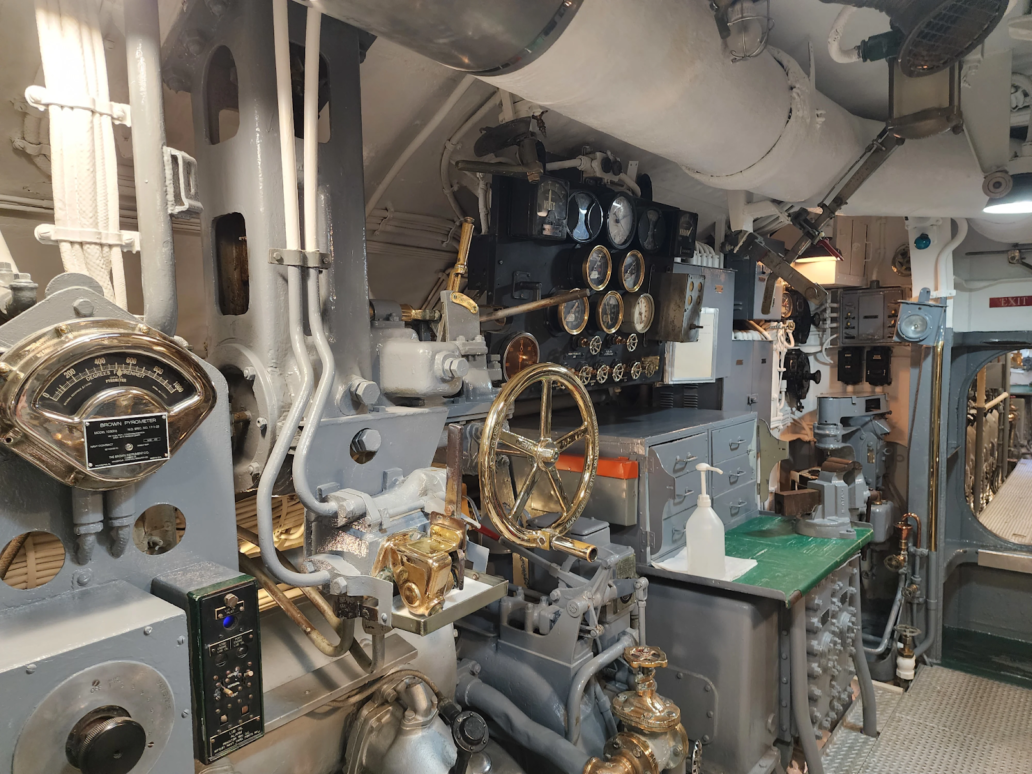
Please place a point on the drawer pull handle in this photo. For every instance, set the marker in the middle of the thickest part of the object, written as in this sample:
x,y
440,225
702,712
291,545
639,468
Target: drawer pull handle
x,y
735,444
681,462
680,497
737,506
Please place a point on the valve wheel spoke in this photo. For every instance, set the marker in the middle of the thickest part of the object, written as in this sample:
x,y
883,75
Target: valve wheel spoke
x,y
546,409
571,438
524,496
518,444
560,492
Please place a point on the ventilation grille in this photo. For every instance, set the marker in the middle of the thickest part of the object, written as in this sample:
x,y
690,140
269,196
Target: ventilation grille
x,y
947,34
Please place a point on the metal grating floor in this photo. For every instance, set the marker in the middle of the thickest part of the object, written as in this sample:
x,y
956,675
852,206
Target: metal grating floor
x,y
947,723
1009,514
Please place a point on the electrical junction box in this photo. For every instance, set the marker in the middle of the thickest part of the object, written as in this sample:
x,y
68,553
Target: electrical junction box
x,y
748,386
868,316
851,365
715,336
221,608
751,279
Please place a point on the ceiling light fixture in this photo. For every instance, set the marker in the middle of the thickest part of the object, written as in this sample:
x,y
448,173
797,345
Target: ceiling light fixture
x,y
1017,200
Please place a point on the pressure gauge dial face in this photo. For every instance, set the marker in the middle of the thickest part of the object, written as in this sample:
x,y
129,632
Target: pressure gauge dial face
x,y
521,351
584,216
620,221
99,404
651,229
632,271
552,201
641,311
609,312
573,315
597,268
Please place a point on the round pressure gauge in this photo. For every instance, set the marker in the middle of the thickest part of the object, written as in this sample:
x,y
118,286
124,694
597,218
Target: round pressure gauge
x,y
651,229
620,221
521,351
573,315
641,311
632,271
583,216
609,312
597,268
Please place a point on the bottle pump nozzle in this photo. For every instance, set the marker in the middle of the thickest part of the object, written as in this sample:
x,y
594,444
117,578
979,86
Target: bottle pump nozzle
x,y
702,467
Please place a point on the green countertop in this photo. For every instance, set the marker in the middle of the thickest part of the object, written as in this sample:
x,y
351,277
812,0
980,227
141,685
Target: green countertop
x,y
788,565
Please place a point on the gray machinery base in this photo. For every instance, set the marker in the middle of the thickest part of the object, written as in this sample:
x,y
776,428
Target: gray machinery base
x,y
825,528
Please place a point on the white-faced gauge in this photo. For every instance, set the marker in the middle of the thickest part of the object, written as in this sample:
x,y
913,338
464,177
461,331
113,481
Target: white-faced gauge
x,y
640,312
620,221
632,271
520,352
98,404
651,229
609,312
597,268
573,315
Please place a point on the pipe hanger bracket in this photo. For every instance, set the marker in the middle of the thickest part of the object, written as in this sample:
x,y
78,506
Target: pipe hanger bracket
x,y
41,97
305,259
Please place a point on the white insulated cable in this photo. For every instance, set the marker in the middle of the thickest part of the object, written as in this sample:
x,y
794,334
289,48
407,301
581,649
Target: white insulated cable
x,y
839,54
82,141
419,139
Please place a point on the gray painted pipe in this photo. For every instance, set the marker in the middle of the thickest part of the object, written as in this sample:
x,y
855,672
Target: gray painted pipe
x,y
863,670
472,692
580,682
800,690
890,625
157,257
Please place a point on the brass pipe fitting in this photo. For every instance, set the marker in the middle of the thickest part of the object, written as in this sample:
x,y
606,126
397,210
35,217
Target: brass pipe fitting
x,y
465,240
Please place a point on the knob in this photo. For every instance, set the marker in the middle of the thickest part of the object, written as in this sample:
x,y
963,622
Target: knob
x,y
106,741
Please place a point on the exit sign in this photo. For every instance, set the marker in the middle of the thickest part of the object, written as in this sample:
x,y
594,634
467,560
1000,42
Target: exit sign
x,y
1000,302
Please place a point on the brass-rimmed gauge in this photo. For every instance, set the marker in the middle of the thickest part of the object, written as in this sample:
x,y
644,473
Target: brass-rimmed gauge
x,y
636,370
520,352
641,311
602,374
632,271
609,312
573,315
597,268
619,370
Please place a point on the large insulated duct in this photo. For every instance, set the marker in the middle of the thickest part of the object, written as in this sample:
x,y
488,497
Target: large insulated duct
x,y
656,75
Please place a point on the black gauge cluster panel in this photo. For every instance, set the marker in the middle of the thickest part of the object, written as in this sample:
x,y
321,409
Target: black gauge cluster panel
x,y
616,247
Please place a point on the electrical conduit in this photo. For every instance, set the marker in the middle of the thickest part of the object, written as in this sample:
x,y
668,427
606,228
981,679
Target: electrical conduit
x,y
285,437
315,322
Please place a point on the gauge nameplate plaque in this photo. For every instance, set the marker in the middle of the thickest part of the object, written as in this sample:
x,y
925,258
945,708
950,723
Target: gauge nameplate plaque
x,y
60,385
114,441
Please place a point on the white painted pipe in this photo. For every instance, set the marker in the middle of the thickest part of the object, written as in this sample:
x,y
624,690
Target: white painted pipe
x,y
941,281
839,54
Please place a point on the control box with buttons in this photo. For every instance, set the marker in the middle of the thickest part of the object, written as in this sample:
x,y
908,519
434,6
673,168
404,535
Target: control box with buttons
x,y
221,606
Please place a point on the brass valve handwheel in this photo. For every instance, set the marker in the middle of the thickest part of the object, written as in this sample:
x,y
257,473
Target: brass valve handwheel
x,y
543,453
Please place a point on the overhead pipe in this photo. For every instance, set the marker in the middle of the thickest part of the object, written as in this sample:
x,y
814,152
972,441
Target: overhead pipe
x,y
839,54
146,103
756,125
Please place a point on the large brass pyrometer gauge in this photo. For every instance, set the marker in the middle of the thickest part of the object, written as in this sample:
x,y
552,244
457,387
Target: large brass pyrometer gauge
x,y
98,404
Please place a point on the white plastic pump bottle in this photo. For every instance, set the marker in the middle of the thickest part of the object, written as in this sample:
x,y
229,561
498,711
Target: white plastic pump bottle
x,y
704,534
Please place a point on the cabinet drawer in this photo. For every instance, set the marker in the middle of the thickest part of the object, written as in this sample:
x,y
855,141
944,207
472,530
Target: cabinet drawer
x,y
678,458
732,441
737,505
737,471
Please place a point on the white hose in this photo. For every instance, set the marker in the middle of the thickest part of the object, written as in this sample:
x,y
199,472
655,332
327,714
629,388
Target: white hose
x,y
418,140
84,164
839,54
482,196
947,249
